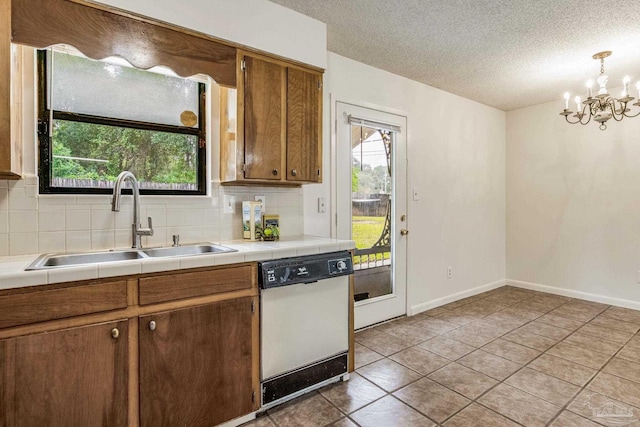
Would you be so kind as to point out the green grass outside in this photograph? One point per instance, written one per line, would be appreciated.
(366, 231)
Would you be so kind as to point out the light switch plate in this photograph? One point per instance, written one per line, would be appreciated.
(261, 199)
(229, 204)
(322, 207)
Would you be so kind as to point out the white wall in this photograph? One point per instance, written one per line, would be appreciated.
(573, 203)
(456, 151)
(255, 23)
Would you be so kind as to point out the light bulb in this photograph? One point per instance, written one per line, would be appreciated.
(589, 88)
(567, 95)
(626, 81)
(577, 100)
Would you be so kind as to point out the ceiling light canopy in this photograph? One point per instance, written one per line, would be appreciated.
(602, 106)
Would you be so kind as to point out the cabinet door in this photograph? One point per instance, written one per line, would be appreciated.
(264, 114)
(196, 365)
(71, 377)
(304, 120)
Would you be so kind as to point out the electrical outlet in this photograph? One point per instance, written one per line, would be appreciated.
(261, 199)
(322, 207)
(449, 272)
(229, 204)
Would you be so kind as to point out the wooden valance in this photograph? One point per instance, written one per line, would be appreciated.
(100, 33)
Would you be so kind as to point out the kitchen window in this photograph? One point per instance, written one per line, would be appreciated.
(99, 118)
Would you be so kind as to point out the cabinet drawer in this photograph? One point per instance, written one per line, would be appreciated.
(40, 306)
(197, 284)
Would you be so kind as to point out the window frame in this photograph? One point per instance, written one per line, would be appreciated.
(45, 146)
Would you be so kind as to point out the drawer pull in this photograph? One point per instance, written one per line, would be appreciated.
(274, 172)
(294, 172)
(152, 325)
(115, 333)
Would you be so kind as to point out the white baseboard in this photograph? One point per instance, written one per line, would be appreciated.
(575, 294)
(419, 308)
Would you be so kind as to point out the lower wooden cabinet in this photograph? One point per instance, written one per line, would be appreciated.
(179, 348)
(70, 377)
(196, 364)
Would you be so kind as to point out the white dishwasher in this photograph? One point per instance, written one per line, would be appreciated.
(304, 329)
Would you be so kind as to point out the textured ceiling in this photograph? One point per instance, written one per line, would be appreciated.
(507, 54)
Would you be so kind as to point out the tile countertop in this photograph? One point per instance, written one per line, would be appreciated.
(13, 275)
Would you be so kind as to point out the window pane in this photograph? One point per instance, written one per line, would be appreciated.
(84, 86)
(91, 156)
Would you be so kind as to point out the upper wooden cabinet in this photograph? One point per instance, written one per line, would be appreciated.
(10, 99)
(274, 134)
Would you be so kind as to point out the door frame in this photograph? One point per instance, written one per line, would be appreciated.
(334, 100)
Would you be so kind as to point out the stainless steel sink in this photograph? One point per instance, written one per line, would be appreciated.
(67, 260)
(187, 250)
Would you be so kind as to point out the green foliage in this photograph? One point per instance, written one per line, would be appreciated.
(151, 156)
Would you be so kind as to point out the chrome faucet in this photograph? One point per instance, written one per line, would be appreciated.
(136, 228)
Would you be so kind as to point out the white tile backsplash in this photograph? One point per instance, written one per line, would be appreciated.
(23, 221)
(51, 241)
(31, 224)
(4, 222)
(23, 243)
(4, 244)
(77, 219)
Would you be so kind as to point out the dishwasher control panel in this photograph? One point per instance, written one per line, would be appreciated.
(306, 269)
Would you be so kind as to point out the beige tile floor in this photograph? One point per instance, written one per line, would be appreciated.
(507, 357)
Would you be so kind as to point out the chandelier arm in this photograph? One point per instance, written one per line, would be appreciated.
(631, 115)
(569, 121)
(617, 116)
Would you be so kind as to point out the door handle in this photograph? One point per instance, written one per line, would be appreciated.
(404, 232)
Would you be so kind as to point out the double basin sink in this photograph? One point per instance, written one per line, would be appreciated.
(74, 259)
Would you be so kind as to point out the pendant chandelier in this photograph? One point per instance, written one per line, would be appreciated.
(602, 106)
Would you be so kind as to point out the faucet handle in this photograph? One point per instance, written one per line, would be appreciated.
(176, 240)
(150, 231)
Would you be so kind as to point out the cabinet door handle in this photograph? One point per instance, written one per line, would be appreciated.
(115, 333)
(294, 172)
(404, 232)
(275, 171)
(152, 325)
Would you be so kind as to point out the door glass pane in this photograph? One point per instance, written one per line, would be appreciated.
(371, 207)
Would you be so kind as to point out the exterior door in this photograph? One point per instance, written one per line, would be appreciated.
(371, 205)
